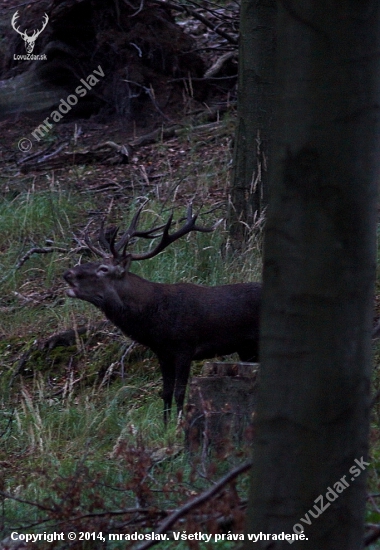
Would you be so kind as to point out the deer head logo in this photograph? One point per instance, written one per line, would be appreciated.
(29, 40)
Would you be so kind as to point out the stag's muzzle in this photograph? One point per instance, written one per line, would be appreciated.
(69, 278)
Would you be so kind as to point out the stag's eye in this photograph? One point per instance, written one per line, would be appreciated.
(103, 269)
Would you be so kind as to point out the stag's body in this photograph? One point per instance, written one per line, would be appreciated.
(178, 322)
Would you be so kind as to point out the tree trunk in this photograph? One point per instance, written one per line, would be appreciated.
(310, 451)
(248, 193)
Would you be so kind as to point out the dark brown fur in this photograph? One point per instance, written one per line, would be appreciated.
(178, 322)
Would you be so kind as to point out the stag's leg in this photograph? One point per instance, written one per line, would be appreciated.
(168, 377)
(182, 372)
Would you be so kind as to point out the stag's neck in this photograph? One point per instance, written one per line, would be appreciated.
(133, 305)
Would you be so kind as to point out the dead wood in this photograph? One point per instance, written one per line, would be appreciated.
(195, 502)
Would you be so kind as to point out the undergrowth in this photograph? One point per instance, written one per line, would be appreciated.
(83, 447)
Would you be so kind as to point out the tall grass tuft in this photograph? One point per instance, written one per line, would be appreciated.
(81, 427)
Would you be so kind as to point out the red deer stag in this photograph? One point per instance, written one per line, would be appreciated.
(178, 322)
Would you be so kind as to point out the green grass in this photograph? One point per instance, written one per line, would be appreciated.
(77, 438)
(92, 451)
(32, 219)
(35, 214)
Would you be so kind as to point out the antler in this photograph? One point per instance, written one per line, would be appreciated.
(97, 251)
(131, 232)
(44, 23)
(108, 239)
(167, 239)
(29, 40)
(13, 23)
(119, 250)
(24, 34)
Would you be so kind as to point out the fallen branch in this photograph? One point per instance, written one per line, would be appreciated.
(197, 501)
(376, 332)
(201, 18)
(37, 250)
(374, 399)
(216, 67)
(372, 537)
(177, 130)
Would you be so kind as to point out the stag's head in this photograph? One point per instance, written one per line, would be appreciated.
(106, 282)
(29, 40)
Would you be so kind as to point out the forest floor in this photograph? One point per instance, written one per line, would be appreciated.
(82, 445)
(80, 408)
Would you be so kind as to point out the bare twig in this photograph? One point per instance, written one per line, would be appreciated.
(40, 159)
(197, 501)
(37, 250)
(376, 332)
(197, 15)
(375, 399)
(213, 71)
(149, 91)
(372, 536)
(38, 505)
(303, 20)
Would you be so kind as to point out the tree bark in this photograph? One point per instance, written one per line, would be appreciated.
(319, 272)
(252, 151)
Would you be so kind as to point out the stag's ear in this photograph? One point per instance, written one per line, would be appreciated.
(125, 262)
(119, 270)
